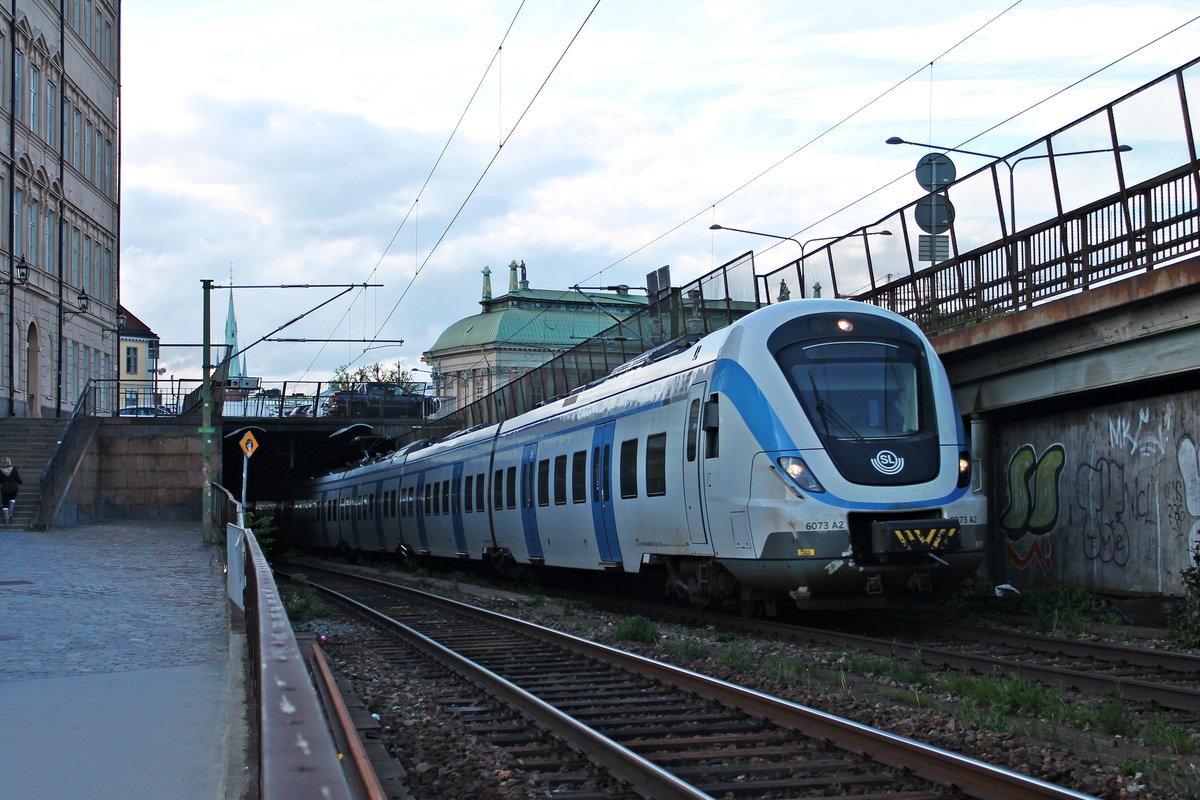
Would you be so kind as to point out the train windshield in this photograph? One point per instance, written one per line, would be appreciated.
(856, 390)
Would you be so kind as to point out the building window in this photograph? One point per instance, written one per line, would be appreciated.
(74, 265)
(18, 89)
(32, 239)
(76, 148)
(18, 231)
(51, 113)
(131, 361)
(48, 232)
(87, 150)
(35, 108)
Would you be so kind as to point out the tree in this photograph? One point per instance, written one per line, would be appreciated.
(345, 378)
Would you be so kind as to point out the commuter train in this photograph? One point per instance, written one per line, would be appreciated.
(809, 452)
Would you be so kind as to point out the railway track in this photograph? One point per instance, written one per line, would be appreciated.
(663, 731)
(1161, 678)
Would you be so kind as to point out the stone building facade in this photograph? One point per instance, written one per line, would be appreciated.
(517, 332)
(59, 196)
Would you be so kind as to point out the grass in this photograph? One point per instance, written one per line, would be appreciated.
(1066, 610)
(300, 600)
(637, 629)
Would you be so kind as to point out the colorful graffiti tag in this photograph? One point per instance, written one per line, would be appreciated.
(1033, 504)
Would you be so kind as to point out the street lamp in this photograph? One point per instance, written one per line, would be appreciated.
(1012, 196)
(803, 245)
(19, 275)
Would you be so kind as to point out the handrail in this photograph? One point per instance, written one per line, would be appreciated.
(64, 462)
(296, 753)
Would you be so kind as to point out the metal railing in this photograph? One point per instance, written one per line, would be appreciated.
(1115, 193)
(297, 756)
(706, 304)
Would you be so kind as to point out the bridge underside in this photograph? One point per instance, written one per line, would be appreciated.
(1121, 341)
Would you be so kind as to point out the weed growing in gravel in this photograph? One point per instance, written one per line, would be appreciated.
(571, 607)
(1169, 736)
(1054, 609)
(300, 600)
(909, 670)
(736, 657)
(781, 667)
(689, 649)
(1114, 716)
(637, 629)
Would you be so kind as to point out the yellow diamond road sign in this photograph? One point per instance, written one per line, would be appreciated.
(249, 444)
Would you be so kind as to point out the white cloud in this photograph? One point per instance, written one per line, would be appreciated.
(287, 141)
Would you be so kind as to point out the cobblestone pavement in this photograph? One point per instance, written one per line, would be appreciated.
(109, 597)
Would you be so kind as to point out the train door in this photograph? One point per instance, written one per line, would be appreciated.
(456, 517)
(422, 489)
(533, 542)
(693, 464)
(378, 507)
(603, 520)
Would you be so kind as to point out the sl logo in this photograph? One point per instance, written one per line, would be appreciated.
(887, 462)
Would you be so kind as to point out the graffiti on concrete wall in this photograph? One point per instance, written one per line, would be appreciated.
(1112, 504)
(1033, 504)
(1183, 507)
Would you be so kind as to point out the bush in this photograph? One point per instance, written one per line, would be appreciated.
(1183, 628)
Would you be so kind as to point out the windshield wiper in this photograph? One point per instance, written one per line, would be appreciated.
(828, 413)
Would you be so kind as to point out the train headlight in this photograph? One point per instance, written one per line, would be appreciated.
(964, 468)
(795, 468)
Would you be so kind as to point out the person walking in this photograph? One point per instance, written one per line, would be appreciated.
(10, 483)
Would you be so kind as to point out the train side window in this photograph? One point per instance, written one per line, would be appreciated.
(579, 477)
(693, 428)
(560, 480)
(498, 490)
(468, 486)
(428, 499)
(629, 454)
(446, 497)
(656, 465)
(543, 478)
(511, 495)
(479, 491)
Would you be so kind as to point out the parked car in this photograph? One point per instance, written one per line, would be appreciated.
(380, 400)
(146, 411)
(303, 410)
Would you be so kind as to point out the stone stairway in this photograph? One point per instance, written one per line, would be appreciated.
(29, 443)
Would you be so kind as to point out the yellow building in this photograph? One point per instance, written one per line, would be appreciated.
(137, 363)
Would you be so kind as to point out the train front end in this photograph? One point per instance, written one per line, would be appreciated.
(860, 488)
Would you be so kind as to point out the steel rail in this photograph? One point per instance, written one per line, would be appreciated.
(1102, 651)
(362, 763)
(1182, 698)
(645, 777)
(982, 780)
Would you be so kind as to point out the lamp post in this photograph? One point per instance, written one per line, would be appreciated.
(1012, 195)
(803, 245)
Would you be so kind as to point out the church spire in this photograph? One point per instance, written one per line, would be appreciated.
(236, 369)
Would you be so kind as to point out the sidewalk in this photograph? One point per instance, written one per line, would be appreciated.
(115, 665)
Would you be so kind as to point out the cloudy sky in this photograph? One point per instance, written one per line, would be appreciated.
(409, 144)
